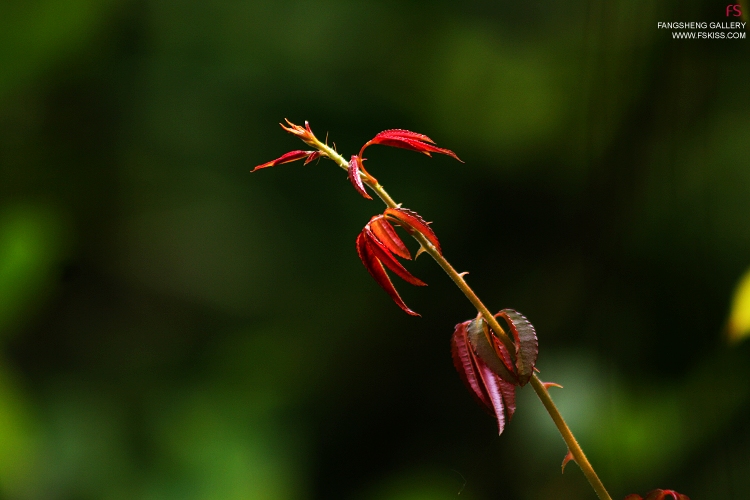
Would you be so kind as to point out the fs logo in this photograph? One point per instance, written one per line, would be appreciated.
(736, 8)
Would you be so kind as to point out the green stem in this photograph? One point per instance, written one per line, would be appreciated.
(539, 388)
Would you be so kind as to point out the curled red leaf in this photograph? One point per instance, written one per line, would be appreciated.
(377, 246)
(387, 235)
(304, 133)
(406, 139)
(355, 166)
(496, 395)
(489, 349)
(383, 254)
(527, 346)
(411, 221)
(289, 157)
(376, 270)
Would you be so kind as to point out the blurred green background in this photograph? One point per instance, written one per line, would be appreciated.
(173, 327)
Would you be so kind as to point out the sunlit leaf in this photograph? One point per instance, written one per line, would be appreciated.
(355, 165)
(406, 139)
(377, 271)
(412, 221)
(386, 258)
(287, 158)
(387, 235)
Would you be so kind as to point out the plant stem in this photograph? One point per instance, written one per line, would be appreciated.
(539, 388)
(569, 439)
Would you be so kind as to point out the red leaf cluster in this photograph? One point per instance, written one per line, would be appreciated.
(304, 133)
(378, 245)
(488, 369)
(488, 388)
(658, 495)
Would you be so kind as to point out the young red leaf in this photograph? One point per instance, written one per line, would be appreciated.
(387, 235)
(355, 165)
(411, 221)
(288, 157)
(497, 396)
(487, 347)
(527, 346)
(408, 140)
(376, 270)
(463, 360)
(633, 496)
(304, 133)
(312, 157)
(382, 253)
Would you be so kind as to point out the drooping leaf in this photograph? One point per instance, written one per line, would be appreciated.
(509, 398)
(406, 139)
(353, 171)
(377, 271)
(411, 220)
(382, 253)
(463, 360)
(387, 235)
(488, 389)
(490, 350)
(499, 392)
(527, 346)
(286, 158)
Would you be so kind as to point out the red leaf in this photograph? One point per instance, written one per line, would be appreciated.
(382, 253)
(463, 360)
(401, 133)
(286, 158)
(387, 235)
(376, 270)
(303, 133)
(312, 157)
(408, 140)
(492, 392)
(633, 496)
(490, 350)
(355, 164)
(412, 221)
(527, 346)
